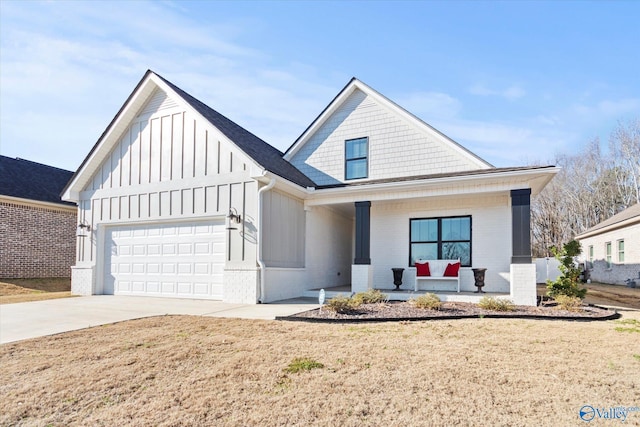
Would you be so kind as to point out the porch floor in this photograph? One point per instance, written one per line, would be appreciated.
(407, 294)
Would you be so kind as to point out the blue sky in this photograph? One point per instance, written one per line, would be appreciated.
(515, 82)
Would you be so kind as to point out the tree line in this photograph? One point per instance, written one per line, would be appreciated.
(593, 185)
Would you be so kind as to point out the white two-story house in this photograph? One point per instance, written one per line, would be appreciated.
(176, 200)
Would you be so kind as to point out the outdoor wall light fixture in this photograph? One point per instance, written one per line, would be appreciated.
(83, 230)
(233, 217)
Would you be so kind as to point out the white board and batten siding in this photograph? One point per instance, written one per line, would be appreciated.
(397, 146)
(284, 230)
(168, 167)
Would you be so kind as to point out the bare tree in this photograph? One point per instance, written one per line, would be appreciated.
(591, 187)
(624, 145)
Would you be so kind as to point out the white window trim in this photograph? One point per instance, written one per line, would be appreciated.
(618, 250)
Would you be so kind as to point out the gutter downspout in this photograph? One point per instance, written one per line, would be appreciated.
(264, 189)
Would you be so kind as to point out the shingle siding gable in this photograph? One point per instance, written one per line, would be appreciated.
(397, 147)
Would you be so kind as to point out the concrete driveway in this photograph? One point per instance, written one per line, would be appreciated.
(39, 318)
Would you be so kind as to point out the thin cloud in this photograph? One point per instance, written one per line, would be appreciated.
(68, 66)
(510, 93)
(508, 145)
(87, 71)
(619, 107)
(608, 106)
(430, 104)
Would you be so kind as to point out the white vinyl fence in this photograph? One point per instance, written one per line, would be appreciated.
(546, 269)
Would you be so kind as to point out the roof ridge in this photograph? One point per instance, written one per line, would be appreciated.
(370, 91)
(263, 153)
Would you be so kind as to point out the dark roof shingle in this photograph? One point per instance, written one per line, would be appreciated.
(489, 171)
(264, 154)
(34, 181)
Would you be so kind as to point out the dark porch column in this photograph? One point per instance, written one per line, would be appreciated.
(521, 226)
(363, 233)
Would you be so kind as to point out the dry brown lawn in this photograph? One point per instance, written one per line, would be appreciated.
(25, 290)
(621, 296)
(603, 294)
(172, 370)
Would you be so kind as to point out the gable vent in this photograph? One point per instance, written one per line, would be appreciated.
(159, 101)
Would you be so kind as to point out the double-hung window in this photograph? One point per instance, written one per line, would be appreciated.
(356, 158)
(591, 256)
(607, 251)
(440, 238)
(621, 251)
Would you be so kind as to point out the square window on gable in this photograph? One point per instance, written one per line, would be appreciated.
(356, 163)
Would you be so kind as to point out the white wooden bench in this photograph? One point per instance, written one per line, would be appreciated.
(437, 268)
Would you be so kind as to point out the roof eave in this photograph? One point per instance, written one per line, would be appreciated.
(538, 179)
(129, 108)
(611, 227)
(39, 203)
(322, 117)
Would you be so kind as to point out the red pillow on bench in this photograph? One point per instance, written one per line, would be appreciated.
(423, 269)
(452, 270)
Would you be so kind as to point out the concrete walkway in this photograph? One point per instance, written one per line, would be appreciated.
(39, 318)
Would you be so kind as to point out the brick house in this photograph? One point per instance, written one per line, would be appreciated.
(611, 249)
(179, 201)
(37, 228)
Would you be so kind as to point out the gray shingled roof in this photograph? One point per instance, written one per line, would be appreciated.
(630, 212)
(261, 152)
(34, 181)
(435, 176)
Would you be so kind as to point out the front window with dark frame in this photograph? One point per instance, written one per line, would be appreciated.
(356, 158)
(440, 238)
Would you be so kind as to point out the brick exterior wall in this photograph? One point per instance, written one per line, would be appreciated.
(241, 286)
(523, 284)
(361, 277)
(491, 239)
(619, 271)
(36, 241)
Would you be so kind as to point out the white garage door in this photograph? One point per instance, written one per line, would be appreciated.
(172, 259)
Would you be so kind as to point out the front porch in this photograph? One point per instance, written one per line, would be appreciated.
(406, 295)
(353, 245)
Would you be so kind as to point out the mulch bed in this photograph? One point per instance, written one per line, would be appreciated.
(397, 310)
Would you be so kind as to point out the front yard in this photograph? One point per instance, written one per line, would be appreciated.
(206, 371)
(25, 290)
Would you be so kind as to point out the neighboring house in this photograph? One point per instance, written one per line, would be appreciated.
(611, 249)
(37, 228)
(180, 201)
